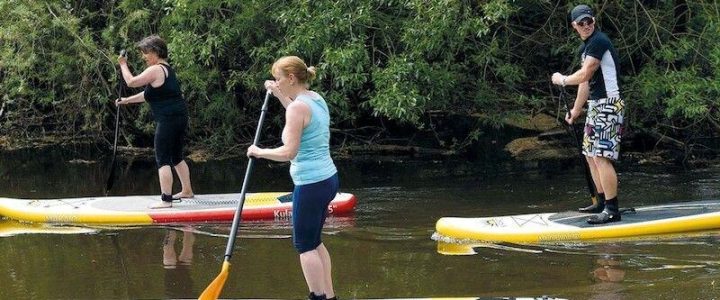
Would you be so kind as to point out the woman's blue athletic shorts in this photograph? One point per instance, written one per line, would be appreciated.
(310, 207)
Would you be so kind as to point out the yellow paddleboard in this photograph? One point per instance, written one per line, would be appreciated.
(573, 226)
(135, 210)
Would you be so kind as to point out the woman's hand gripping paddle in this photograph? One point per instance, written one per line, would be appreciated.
(111, 176)
(213, 290)
(578, 144)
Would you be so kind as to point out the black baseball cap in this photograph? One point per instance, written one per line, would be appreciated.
(581, 12)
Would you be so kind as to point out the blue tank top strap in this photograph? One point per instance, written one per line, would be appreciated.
(318, 109)
(313, 162)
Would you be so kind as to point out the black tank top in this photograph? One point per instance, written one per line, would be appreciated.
(166, 100)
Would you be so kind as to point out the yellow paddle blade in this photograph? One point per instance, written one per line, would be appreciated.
(213, 290)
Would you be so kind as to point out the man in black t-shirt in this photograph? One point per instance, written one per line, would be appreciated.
(598, 85)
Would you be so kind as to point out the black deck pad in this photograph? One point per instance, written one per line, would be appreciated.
(642, 214)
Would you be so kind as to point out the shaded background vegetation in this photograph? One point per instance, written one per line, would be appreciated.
(406, 72)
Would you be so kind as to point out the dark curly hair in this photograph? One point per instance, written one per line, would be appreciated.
(155, 44)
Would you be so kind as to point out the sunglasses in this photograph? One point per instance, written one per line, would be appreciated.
(584, 22)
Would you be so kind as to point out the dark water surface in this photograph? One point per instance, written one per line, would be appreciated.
(383, 250)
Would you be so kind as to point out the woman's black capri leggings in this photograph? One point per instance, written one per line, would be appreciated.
(169, 140)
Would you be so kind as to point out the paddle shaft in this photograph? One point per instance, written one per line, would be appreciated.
(578, 144)
(243, 191)
(111, 176)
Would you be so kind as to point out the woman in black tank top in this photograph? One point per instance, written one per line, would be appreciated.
(162, 92)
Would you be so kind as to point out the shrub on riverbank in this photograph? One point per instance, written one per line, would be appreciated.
(394, 72)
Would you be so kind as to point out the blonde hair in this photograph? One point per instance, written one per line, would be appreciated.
(287, 65)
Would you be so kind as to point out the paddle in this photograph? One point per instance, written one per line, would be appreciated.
(111, 176)
(571, 130)
(213, 290)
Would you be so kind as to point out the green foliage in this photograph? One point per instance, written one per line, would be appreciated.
(397, 87)
(379, 62)
(676, 91)
(53, 75)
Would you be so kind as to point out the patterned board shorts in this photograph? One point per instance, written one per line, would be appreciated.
(604, 128)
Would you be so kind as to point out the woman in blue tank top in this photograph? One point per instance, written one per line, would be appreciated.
(306, 139)
(162, 92)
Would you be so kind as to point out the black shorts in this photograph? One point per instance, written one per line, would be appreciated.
(169, 140)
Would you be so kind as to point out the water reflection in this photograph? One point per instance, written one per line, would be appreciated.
(10, 228)
(468, 247)
(608, 273)
(170, 257)
(178, 282)
(617, 269)
(609, 269)
(383, 251)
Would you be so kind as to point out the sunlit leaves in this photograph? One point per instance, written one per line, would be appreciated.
(397, 60)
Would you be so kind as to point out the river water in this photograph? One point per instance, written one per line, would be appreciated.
(383, 250)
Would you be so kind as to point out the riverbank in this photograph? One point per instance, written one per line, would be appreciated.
(528, 141)
(532, 152)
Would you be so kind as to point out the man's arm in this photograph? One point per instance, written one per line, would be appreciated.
(590, 65)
